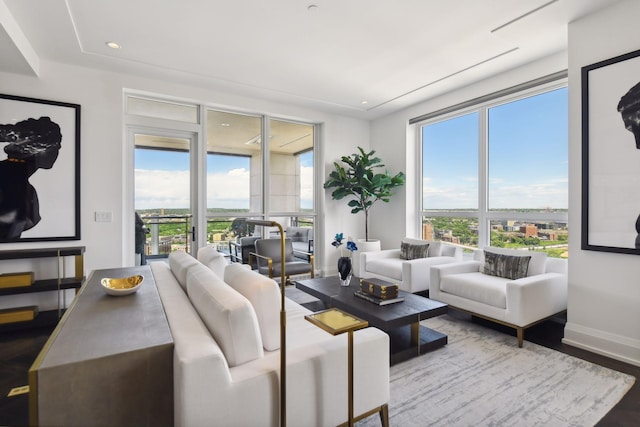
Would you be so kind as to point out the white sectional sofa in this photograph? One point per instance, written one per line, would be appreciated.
(412, 275)
(225, 324)
(515, 302)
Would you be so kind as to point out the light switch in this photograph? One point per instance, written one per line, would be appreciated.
(103, 216)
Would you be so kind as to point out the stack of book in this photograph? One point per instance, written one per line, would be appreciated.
(378, 291)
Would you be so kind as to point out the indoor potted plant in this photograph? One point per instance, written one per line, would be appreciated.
(356, 179)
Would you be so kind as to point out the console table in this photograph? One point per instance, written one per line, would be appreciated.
(109, 362)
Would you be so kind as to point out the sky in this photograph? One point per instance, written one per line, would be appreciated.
(527, 156)
(528, 164)
(162, 180)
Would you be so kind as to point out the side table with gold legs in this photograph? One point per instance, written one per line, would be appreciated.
(336, 322)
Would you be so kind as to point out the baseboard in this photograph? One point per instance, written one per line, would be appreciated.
(604, 343)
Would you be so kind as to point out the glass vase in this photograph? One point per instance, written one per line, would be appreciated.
(344, 270)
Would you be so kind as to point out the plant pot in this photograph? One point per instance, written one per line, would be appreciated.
(370, 245)
(344, 270)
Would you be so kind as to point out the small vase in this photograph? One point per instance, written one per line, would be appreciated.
(344, 270)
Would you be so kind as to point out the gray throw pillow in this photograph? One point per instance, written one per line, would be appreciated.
(409, 251)
(507, 266)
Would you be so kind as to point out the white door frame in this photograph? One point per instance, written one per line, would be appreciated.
(197, 180)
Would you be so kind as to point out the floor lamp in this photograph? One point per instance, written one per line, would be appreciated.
(283, 322)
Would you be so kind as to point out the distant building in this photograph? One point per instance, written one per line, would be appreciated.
(529, 230)
(427, 231)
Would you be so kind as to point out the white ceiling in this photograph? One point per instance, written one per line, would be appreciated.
(332, 57)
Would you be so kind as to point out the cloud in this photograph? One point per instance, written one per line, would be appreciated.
(230, 190)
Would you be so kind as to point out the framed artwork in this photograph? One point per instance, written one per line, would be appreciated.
(39, 170)
(611, 155)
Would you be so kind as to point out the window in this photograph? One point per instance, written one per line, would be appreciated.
(497, 174)
(236, 147)
(196, 182)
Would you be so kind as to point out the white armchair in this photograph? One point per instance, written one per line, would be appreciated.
(412, 275)
(517, 303)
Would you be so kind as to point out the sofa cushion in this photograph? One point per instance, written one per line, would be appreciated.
(490, 290)
(229, 316)
(180, 263)
(411, 251)
(507, 266)
(212, 259)
(387, 267)
(264, 295)
(435, 247)
(537, 264)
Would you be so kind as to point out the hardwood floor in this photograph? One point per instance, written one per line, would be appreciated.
(19, 349)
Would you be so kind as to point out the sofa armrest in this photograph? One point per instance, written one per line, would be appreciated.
(536, 297)
(386, 253)
(437, 272)
(416, 272)
(458, 268)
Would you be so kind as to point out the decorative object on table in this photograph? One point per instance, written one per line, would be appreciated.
(39, 205)
(119, 286)
(283, 319)
(379, 288)
(377, 300)
(359, 181)
(610, 155)
(344, 262)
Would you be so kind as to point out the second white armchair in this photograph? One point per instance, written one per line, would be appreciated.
(409, 266)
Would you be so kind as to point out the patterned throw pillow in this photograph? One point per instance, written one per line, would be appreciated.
(409, 251)
(507, 266)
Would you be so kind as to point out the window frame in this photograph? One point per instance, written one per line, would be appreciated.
(483, 215)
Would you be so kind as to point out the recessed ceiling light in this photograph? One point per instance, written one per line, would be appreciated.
(113, 45)
(225, 124)
(312, 7)
(364, 102)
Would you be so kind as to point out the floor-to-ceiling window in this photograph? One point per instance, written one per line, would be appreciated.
(496, 173)
(230, 168)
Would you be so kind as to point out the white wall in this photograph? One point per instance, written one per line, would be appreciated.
(100, 95)
(604, 288)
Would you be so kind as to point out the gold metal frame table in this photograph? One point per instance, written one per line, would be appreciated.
(336, 322)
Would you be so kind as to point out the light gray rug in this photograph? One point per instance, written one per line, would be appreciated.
(482, 378)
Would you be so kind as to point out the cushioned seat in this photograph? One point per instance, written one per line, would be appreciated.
(515, 288)
(480, 287)
(268, 255)
(410, 270)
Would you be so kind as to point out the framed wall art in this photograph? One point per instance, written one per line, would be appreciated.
(39, 170)
(611, 155)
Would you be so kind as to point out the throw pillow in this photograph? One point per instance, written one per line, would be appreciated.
(507, 266)
(409, 251)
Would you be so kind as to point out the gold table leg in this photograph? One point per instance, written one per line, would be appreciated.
(350, 365)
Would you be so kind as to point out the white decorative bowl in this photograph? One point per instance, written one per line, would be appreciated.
(121, 285)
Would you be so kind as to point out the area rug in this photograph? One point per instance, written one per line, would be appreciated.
(482, 378)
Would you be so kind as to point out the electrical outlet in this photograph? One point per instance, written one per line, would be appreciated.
(103, 216)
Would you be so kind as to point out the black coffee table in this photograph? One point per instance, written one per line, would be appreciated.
(401, 321)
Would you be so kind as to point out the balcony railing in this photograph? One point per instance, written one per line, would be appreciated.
(170, 233)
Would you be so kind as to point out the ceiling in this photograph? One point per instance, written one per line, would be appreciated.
(363, 58)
